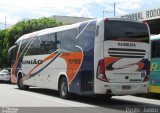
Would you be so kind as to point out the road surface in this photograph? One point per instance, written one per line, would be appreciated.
(45, 101)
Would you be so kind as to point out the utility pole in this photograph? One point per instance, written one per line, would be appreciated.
(5, 23)
(114, 9)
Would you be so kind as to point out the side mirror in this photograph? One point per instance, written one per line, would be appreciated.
(11, 51)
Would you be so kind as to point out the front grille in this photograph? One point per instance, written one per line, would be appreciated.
(126, 53)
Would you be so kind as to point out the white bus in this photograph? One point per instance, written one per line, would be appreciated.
(101, 56)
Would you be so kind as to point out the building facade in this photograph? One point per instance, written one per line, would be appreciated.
(70, 19)
(152, 17)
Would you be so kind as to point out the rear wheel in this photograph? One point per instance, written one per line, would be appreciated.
(63, 88)
(21, 85)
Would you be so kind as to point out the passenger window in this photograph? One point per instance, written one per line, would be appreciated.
(54, 42)
(34, 48)
(24, 47)
(86, 38)
(68, 40)
(45, 44)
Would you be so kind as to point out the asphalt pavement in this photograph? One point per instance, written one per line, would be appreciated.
(38, 100)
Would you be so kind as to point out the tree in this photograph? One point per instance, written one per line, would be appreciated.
(9, 36)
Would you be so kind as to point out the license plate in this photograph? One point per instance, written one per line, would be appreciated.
(126, 87)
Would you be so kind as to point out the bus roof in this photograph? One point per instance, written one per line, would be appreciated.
(52, 30)
(61, 28)
(47, 31)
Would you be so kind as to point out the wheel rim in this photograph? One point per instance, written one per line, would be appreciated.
(63, 89)
(21, 83)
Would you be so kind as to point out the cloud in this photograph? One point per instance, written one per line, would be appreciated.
(84, 12)
(121, 6)
(15, 10)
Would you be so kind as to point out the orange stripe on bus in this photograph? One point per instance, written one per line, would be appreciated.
(73, 61)
(140, 66)
(44, 60)
(13, 77)
(109, 60)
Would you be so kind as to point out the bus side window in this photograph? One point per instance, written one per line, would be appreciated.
(24, 47)
(86, 39)
(68, 40)
(55, 43)
(34, 48)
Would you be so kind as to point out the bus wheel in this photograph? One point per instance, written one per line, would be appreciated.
(63, 88)
(20, 84)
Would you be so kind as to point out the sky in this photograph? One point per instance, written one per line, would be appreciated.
(13, 11)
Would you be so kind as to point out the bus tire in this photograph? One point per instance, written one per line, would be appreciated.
(20, 84)
(63, 88)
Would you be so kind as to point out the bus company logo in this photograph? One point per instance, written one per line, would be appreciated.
(126, 44)
(35, 61)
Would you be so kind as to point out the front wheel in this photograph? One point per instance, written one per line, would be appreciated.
(20, 84)
(63, 89)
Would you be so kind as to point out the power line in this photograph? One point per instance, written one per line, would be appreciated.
(6, 24)
(112, 11)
